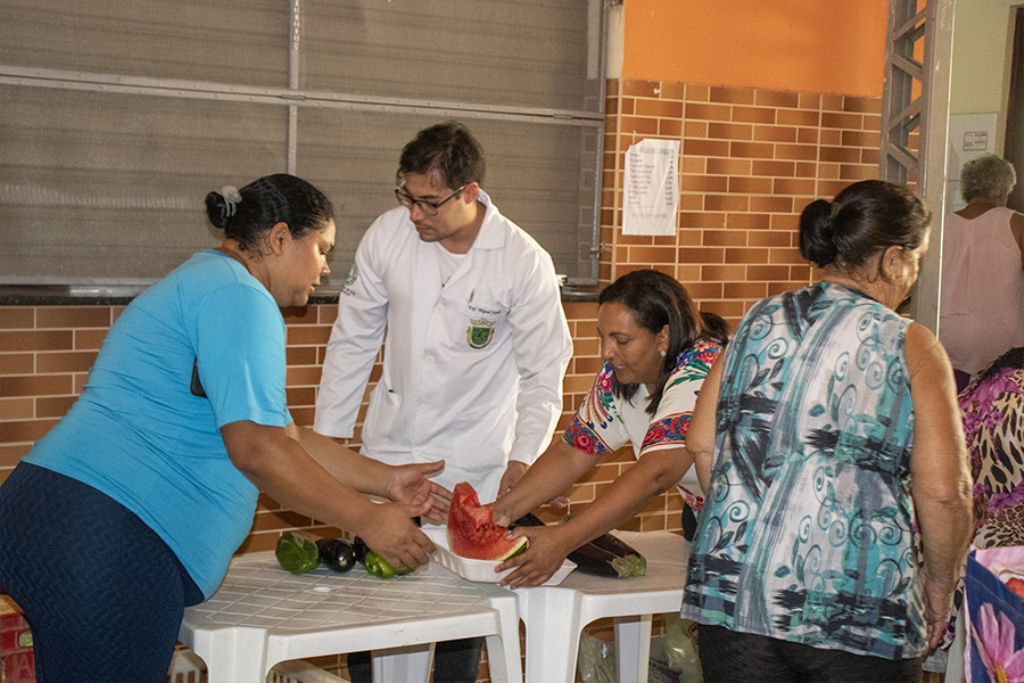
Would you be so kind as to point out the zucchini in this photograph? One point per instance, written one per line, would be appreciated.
(606, 555)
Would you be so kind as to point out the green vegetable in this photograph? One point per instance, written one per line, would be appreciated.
(377, 566)
(296, 553)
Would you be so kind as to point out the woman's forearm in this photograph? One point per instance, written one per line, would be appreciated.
(557, 468)
(628, 495)
(361, 473)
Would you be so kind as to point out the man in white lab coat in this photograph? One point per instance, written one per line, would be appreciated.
(477, 341)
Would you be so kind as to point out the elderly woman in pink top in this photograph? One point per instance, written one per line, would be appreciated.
(982, 303)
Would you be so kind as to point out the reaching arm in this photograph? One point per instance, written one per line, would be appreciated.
(941, 477)
(558, 468)
(549, 546)
(276, 463)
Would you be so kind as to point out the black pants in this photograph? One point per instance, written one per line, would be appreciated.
(730, 657)
(103, 594)
(455, 661)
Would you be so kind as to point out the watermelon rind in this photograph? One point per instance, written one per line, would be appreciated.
(519, 549)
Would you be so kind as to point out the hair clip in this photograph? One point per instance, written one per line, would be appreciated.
(232, 197)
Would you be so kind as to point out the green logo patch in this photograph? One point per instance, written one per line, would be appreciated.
(479, 333)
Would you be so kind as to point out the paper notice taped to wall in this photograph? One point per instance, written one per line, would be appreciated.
(651, 189)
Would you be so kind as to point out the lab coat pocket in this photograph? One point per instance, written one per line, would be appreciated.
(383, 417)
(486, 323)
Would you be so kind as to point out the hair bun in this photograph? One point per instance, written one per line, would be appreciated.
(817, 232)
(222, 206)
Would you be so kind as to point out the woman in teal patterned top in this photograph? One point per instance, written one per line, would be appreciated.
(838, 506)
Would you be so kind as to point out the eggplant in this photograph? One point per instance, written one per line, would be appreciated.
(359, 546)
(337, 554)
(606, 555)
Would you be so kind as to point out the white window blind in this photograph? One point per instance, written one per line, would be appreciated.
(116, 118)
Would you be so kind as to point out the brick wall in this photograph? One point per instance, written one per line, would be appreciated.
(751, 159)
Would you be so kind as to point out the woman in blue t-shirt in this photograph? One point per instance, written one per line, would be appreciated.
(130, 508)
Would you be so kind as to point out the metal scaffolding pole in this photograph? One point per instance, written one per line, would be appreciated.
(916, 100)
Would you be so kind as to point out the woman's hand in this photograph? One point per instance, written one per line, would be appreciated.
(548, 549)
(392, 535)
(938, 597)
(410, 484)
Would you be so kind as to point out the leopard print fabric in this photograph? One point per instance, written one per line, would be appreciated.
(993, 412)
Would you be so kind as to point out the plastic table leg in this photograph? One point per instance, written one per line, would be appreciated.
(553, 626)
(237, 655)
(633, 648)
(403, 664)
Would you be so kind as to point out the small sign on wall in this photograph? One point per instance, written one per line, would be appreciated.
(975, 141)
(651, 188)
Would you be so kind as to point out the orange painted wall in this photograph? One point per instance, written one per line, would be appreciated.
(827, 46)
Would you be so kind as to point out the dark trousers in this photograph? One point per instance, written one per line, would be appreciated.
(455, 661)
(103, 594)
(730, 657)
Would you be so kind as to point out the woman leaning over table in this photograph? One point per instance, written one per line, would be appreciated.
(830, 424)
(657, 349)
(130, 508)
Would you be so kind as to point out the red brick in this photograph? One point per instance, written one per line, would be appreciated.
(746, 255)
(701, 255)
(35, 341)
(305, 336)
(767, 273)
(730, 131)
(672, 91)
(807, 136)
(669, 128)
(16, 363)
(72, 316)
(696, 129)
(746, 290)
(697, 93)
(796, 152)
(801, 186)
(54, 406)
(725, 238)
(17, 317)
(773, 168)
(704, 183)
(706, 148)
(724, 273)
(752, 150)
(834, 120)
(702, 219)
(711, 112)
(841, 154)
(750, 185)
(89, 339)
(771, 204)
(747, 220)
(768, 238)
(636, 124)
(652, 254)
(35, 385)
(775, 98)
(775, 134)
(737, 167)
(732, 95)
(868, 105)
(753, 114)
(65, 361)
(659, 108)
(725, 202)
(27, 430)
(799, 117)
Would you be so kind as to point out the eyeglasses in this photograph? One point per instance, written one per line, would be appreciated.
(426, 206)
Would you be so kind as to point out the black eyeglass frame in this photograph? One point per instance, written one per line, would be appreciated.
(428, 207)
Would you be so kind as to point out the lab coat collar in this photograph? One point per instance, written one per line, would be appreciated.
(491, 234)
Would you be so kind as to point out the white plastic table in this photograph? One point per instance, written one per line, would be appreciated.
(262, 615)
(555, 615)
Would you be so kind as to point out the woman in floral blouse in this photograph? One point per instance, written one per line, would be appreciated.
(827, 429)
(657, 350)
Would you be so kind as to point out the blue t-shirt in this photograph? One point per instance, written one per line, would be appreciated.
(139, 434)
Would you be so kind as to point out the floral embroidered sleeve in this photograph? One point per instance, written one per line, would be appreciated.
(672, 419)
(597, 428)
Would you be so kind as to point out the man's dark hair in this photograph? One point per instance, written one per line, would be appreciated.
(447, 148)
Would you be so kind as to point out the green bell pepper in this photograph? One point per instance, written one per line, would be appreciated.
(377, 566)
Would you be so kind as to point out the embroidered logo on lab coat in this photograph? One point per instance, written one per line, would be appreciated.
(479, 333)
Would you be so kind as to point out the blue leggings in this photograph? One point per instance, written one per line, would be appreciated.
(103, 594)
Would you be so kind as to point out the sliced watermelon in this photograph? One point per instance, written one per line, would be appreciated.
(472, 532)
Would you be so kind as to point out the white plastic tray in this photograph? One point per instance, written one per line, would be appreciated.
(480, 571)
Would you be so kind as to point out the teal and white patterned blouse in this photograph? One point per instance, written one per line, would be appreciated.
(807, 533)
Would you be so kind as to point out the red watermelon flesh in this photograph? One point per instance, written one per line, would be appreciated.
(472, 532)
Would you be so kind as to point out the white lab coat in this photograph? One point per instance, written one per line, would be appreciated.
(439, 397)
